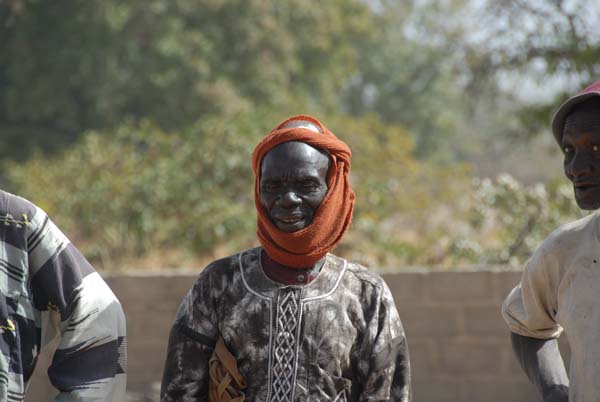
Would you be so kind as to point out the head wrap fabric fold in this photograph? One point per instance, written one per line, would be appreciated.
(305, 247)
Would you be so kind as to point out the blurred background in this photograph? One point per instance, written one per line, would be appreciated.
(132, 122)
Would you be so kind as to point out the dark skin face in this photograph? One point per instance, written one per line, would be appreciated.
(293, 183)
(581, 148)
(540, 358)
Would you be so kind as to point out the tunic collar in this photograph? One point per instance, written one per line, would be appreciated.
(258, 282)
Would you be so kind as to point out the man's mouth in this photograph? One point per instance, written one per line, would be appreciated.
(290, 222)
(582, 186)
(290, 218)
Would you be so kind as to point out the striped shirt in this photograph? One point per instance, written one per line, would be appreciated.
(49, 290)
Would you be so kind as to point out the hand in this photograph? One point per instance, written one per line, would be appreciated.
(557, 393)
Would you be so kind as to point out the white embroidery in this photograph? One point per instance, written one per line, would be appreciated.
(285, 350)
(284, 334)
(246, 285)
(337, 282)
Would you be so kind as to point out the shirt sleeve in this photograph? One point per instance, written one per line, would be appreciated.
(530, 308)
(191, 343)
(388, 374)
(77, 306)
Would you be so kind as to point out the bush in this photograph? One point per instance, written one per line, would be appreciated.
(138, 192)
(508, 220)
(138, 189)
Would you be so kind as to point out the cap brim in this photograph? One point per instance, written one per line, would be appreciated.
(558, 121)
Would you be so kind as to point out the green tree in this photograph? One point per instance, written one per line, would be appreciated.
(545, 50)
(68, 66)
(54, 73)
(138, 190)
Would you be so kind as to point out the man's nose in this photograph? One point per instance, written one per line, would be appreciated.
(290, 199)
(580, 165)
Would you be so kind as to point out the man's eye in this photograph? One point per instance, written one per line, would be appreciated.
(567, 150)
(310, 186)
(269, 186)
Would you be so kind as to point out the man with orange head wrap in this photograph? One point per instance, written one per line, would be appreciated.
(300, 323)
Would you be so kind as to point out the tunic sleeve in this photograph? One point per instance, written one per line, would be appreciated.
(191, 343)
(388, 375)
(77, 306)
(530, 308)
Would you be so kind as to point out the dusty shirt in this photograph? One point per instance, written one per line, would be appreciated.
(338, 338)
(48, 290)
(560, 289)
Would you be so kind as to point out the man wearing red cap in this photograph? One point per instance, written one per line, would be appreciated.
(560, 288)
(300, 323)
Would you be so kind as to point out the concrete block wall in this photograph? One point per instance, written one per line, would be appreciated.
(459, 345)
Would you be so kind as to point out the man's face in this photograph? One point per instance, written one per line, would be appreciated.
(581, 148)
(293, 183)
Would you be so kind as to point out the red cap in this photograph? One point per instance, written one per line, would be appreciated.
(558, 121)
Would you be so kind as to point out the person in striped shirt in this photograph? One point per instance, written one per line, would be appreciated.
(49, 290)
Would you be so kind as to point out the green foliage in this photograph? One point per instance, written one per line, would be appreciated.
(55, 73)
(133, 121)
(402, 203)
(509, 220)
(549, 47)
(69, 66)
(138, 190)
(407, 82)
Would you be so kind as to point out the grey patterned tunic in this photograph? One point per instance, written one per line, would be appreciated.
(336, 339)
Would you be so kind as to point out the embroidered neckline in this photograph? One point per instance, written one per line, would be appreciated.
(259, 284)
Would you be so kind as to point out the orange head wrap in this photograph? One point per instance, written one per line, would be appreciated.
(305, 247)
